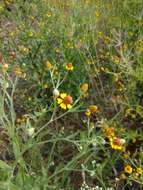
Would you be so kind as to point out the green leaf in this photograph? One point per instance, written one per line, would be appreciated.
(4, 165)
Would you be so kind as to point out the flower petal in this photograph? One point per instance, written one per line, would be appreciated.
(69, 106)
(63, 95)
(63, 106)
(59, 100)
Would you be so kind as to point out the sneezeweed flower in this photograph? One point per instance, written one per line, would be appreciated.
(128, 169)
(139, 170)
(84, 87)
(91, 110)
(87, 113)
(48, 65)
(69, 67)
(49, 14)
(84, 90)
(65, 101)
(24, 50)
(117, 143)
(110, 132)
(18, 71)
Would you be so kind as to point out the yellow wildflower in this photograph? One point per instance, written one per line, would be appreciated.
(110, 132)
(65, 101)
(84, 87)
(49, 14)
(128, 169)
(69, 66)
(139, 170)
(87, 113)
(48, 65)
(18, 71)
(93, 108)
(116, 143)
(24, 50)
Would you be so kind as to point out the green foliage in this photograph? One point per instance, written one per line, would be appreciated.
(71, 78)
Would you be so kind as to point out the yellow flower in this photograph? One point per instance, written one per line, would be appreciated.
(65, 101)
(87, 113)
(139, 170)
(48, 65)
(49, 14)
(93, 108)
(18, 71)
(24, 50)
(69, 66)
(128, 169)
(110, 132)
(116, 143)
(30, 34)
(84, 87)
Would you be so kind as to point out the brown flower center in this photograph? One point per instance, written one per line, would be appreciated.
(117, 142)
(67, 100)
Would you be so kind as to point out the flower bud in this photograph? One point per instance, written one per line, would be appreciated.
(56, 93)
(30, 131)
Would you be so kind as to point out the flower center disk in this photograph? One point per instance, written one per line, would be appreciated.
(67, 100)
